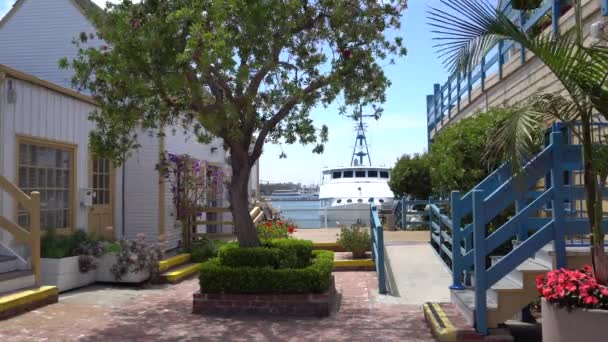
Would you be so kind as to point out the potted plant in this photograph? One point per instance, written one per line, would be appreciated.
(355, 239)
(574, 306)
(62, 263)
(129, 261)
(526, 5)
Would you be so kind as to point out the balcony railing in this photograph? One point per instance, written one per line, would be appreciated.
(447, 98)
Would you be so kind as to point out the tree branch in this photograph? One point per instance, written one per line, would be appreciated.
(284, 112)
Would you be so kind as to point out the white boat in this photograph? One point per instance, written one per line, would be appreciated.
(347, 192)
(286, 195)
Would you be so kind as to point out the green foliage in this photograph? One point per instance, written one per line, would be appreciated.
(411, 176)
(233, 255)
(293, 253)
(204, 249)
(278, 253)
(248, 72)
(215, 277)
(456, 155)
(56, 246)
(355, 239)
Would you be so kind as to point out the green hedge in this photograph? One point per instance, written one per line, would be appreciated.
(278, 253)
(315, 278)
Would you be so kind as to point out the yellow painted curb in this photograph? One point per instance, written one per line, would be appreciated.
(179, 274)
(441, 327)
(355, 263)
(173, 261)
(27, 297)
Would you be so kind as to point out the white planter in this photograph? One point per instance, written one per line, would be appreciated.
(64, 273)
(105, 275)
(586, 325)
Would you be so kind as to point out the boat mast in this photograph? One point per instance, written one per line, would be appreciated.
(361, 148)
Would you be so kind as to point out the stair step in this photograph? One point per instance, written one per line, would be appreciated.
(464, 300)
(24, 300)
(4, 258)
(176, 275)
(15, 280)
(8, 263)
(177, 260)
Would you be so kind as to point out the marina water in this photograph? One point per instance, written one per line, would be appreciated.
(310, 214)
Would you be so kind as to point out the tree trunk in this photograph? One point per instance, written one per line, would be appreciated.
(594, 206)
(244, 228)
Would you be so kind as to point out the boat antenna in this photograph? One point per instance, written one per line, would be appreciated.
(361, 148)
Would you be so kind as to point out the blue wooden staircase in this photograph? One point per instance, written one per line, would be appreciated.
(491, 289)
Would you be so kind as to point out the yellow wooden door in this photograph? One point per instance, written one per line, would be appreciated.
(101, 213)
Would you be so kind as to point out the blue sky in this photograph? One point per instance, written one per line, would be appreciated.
(402, 128)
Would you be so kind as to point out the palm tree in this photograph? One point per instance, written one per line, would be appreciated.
(468, 29)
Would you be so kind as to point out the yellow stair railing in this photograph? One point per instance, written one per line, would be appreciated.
(256, 214)
(32, 237)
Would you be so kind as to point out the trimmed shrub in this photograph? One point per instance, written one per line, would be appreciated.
(316, 278)
(232, 255)
(294, 253)
(277, 253)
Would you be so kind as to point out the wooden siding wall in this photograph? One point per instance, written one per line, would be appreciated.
(141, 189)
(45, 114)
(520, 81)
(39, 33)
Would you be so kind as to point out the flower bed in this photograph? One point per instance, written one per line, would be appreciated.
(573, 289)
(574, 306)
(76, 260)
(285, 276)
(64, 273)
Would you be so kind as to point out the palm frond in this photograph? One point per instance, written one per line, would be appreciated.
(515, 137)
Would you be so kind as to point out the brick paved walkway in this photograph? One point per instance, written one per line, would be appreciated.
(165, 315)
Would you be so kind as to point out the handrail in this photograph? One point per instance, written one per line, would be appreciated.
(32, 237)
(458, 86)
(377, 236)
(555, 228)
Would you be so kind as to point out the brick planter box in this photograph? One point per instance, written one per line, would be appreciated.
(300, 304)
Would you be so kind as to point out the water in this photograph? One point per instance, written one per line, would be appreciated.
(308, 214)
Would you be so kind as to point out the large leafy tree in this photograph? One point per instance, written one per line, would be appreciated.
(411, 176)
(456, 156)
(246, 71)
(468, 29)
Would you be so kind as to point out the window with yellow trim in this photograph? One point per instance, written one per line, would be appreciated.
(47, 170)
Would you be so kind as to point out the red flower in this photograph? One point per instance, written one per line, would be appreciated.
(572, 288)
(268, 224)
(291, 230)
(590, 300)
(280, 223)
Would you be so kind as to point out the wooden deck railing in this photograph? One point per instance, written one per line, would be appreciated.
(32, 237)
(256, 214)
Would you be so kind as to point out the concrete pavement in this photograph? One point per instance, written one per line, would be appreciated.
(418, 274)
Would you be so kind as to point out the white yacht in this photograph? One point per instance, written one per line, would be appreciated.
(347, 192)
(286, 195)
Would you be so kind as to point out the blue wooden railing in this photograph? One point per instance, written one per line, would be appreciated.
(460, 86)
(533, 231)
(377, 235)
